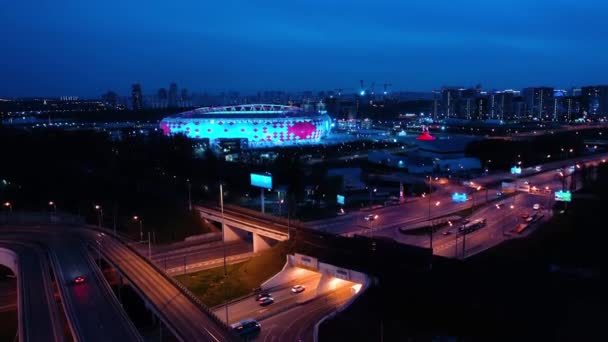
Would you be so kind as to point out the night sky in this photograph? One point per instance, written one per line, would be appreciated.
(76, 47)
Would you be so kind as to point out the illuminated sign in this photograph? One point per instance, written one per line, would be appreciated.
(563, 196)
(458, 198)
(340, 199)
(261, 181)
(516, 170)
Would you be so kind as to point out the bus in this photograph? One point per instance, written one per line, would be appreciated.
(472, 226)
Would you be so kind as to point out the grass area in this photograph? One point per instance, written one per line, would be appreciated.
(213, 289)
(8, 328)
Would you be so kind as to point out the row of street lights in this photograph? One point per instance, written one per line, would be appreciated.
(9, 205)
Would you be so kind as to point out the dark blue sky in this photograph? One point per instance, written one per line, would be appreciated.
(75, 47)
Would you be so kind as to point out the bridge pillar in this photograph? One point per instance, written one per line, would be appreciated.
(232, 234)
(324, 284)
(261, 243)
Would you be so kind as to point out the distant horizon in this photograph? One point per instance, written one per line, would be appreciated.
(379, 91)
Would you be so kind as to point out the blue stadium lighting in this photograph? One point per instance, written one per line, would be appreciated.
(261, 125)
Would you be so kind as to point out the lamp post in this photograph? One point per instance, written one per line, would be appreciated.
(189, 195)
(371, 191)
(99, 245)
(224, 246)
(99, 215)
(9, 205)
(141, 227)
(431, 230)
(53, 205)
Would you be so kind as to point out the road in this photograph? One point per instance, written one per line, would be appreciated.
(186, 318)
(92, 308)
(93, 315)
(39, 318)
(415, 212)
(297, 324)
(8, 294)
(283, 298)
(194, 254)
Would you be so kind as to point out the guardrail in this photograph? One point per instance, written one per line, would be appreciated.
(184, 291)
(65, 299)
(106, 288)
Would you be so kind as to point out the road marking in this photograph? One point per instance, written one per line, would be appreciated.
(209, 332)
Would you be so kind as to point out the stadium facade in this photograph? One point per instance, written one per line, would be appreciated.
(260, 125)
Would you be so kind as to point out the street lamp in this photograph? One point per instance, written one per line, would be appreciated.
(53, 205)
(141, 227)
(224, 245)
(9, 205)
(99, 215)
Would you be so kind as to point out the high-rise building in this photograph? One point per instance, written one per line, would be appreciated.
(172, 95)
(571, 108)
(482, 107)
(161, 98)
(594, 100)
(539, 102)
(503, 104)
(137, 99)
(110, 98)
(449, 101)
(184, 98)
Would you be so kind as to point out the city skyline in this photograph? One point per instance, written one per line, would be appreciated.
(85, 50)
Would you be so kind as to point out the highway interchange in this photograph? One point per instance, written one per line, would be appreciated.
(93, 312)
(49, 257)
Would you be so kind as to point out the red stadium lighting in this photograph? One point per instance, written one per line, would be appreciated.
(425, 136)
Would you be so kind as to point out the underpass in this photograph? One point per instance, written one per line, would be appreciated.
(326, 289)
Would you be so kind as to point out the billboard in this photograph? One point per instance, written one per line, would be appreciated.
(458, 198)
(563, 196)
(261, 181)
(515, 170)
(340, 199)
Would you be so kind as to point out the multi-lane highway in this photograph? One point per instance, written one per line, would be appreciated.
(92, 310)
(297, 324)
(504, 218)
(283, 298)
(39, 318)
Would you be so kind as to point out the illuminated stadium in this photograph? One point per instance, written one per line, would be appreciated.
(261, 125)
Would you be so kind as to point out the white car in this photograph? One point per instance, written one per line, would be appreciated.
(298, 288)
(370, 217)
(536, 206)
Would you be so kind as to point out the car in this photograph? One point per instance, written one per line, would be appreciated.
(265, 301)
(298, 288)
(261, 295)
(370, 217)
(447, 232)
(79, 280)
(341, 212)
(536, 206)
(524, 215)
(246, 327)
(499, 194)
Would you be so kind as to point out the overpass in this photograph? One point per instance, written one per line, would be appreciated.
(93, 312)
(266, 230)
